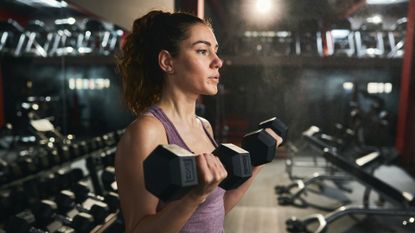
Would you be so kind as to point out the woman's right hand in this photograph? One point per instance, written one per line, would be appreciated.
(211, 172)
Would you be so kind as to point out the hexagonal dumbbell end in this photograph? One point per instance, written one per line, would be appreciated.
(170, 172)
(237, 163)
(261, 147)
(295, 225)
(277, 126)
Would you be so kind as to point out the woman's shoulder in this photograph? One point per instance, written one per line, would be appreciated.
(146, 125)
(145, 129)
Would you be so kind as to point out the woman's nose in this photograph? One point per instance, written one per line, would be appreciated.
(217, 62)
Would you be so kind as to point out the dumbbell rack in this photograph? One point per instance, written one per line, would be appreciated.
(93, 159)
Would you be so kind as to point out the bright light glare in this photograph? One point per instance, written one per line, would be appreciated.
(340, 33)
(263, 6)
(48, 3)
(69, 20)
(375, 19)
(348, 86)
(262, 14)
(384, 1)
(373, 87)
(88, 84)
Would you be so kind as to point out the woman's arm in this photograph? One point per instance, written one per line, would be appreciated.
(137, 204)
(232, 197)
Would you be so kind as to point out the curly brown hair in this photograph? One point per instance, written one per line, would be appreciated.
(137, 62)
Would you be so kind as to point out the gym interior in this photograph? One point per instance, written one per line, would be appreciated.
(339, 73)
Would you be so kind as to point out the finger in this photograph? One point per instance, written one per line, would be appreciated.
(205, 169)
(221, 167)
(219, 170)
(276, 137)
(212, 161)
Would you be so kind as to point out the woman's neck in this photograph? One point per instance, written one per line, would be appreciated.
(179, 107)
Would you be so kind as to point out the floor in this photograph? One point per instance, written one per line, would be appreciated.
(260, 212)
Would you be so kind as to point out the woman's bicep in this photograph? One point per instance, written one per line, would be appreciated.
(138, 142)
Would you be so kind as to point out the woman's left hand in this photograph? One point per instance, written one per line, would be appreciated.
(276, 137)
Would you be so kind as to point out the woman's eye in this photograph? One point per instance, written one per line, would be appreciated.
(202, 51)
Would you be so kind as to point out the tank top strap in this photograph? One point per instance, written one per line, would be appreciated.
(173, 136)
(215, 144)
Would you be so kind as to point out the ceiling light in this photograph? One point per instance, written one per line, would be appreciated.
(263, 6)
(376, 19)
(44, 3)
(69, 20)
(379, 2)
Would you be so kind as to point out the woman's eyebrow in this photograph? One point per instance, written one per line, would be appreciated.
(204, 42)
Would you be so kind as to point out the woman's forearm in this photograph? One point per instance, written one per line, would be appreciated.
(232, 197)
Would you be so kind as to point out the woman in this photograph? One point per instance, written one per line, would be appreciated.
(168, 61)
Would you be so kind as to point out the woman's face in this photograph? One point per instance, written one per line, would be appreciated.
(197, 64)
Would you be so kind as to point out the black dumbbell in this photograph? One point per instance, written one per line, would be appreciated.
(237, 163)
(75, 175)
(26, 162)
(260, 144)
(109, 139)
(44, 212)
(108, 156)
(65, 178)
(113, 201)
(75, 150)
(170, 171)
(40, 159)
(5, 173)
(68, 204)
(118, 134)
(84, 147)
(53, 154)
(22, 222)
(5, 204)
(96, 143)
(93, 204)
(108, 179)
(279, 127)
(48, 217)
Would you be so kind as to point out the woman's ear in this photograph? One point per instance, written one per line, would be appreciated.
(166, 61)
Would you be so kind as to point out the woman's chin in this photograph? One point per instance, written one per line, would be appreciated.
(212, 92)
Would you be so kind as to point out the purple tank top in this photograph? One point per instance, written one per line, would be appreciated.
(210, 215)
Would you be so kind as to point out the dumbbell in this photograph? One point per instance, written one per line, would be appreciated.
(96, 143)
(110, 201)
(68, 204)
(5, 173)
(52, 183)
(109, 139)
(83, 195)
(22, 222)
(108, 179)
(260, 144)
(84, 147)
(277, 126)
(5, 204)
(107, 156)
(170, 171)
(26, 162)
(48, 217)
